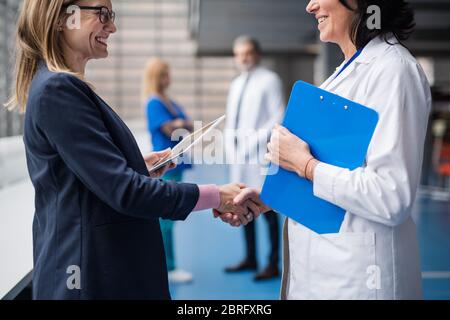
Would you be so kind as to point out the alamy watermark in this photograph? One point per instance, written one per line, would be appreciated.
(74, 20)
(229, 146)
(73, 281)
(374, 20)
(374, 280)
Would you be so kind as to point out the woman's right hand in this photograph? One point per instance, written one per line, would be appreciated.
(237, 214)
(253, 195)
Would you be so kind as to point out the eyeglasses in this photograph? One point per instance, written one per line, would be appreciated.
(104, 13)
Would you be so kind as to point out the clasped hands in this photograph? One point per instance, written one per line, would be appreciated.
(285, 150)
(238, 204)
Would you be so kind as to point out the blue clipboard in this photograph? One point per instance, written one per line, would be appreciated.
(338, 132)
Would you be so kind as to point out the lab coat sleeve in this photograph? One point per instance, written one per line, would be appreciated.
(275, 103)
(274, 108)
(74, 126)
(384, 190)
(229, 126)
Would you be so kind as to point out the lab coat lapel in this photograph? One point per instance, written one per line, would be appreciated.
(251, 106)
(371, 51)
(234, 101)
(325, 84)
(335, 81)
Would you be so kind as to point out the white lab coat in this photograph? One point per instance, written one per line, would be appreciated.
(375, 255)
(262, 107)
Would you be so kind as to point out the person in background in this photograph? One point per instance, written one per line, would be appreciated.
(164, 117)
(255, 102)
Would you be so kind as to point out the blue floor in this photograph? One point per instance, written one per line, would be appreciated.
(204, 246)
(433, 222)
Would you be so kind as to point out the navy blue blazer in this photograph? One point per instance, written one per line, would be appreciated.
(97, 209)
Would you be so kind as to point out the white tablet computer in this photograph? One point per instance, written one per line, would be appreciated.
(187, 143)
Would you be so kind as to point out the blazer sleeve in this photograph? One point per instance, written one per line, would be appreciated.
(74, 127)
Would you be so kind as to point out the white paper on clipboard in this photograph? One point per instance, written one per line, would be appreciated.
(187, 143)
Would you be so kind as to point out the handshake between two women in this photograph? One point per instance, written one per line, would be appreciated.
(238, 206)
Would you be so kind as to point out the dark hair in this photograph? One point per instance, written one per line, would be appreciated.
(397, 17)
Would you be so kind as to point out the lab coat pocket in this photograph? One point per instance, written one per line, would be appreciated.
(341, 266)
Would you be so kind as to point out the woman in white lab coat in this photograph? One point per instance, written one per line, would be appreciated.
(375, 255)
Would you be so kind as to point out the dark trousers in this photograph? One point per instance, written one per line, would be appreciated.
(274, 234)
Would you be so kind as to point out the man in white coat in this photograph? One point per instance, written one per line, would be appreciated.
(255, 104)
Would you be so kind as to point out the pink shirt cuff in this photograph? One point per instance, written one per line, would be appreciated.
(209, 197)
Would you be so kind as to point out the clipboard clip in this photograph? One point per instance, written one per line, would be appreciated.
(322, 98)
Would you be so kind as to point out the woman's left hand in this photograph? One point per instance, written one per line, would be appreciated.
(288, 151)
(155, 157)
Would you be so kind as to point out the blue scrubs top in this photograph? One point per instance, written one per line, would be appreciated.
(158, 115)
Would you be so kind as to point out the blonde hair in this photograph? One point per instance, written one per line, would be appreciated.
(152, 81)
(37, 39)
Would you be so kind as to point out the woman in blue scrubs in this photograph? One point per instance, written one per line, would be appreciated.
(164, 118)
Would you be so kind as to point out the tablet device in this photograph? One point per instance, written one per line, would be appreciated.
(187, 143)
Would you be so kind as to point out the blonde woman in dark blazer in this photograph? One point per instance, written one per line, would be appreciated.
(96, 231)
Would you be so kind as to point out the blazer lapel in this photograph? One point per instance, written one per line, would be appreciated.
(126, 141)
